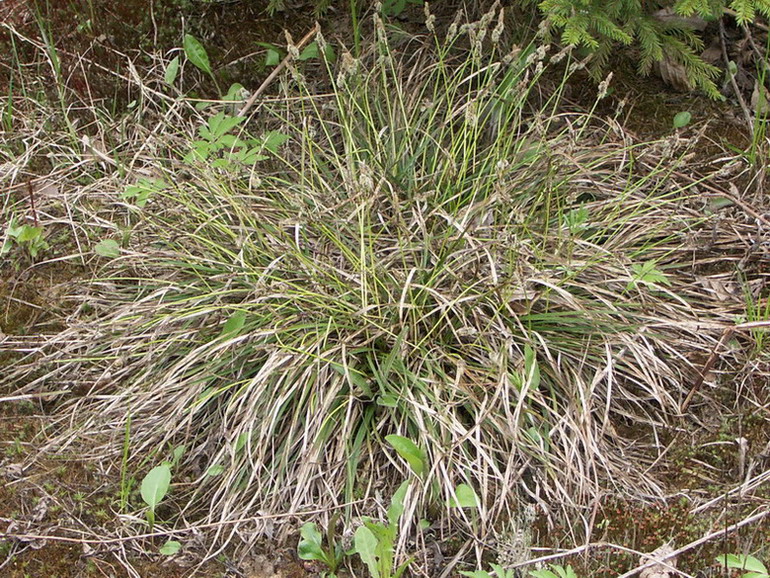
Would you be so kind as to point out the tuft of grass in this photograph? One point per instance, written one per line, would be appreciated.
(437, 252)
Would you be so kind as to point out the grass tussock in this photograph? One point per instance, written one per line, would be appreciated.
(437, 251)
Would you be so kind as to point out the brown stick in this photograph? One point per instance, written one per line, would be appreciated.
(731, 76)
(31, 193)
(726, 334)
(277, 70)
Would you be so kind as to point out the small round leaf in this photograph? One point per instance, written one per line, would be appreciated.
(107, 248)
(170, 548)
(682, 119)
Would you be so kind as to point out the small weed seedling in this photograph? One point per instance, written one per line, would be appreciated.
(27, 236)
(224, 150)
(311, 547)
(157, 481)
(375, 542)
(647, 273)
(409, 451)
(143, 190)
(275, 54)
(154, 488)
(682, 119)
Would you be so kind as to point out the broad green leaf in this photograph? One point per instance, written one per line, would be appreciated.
(196, 53)
(648, 272)
(397, 506)
(107, 248)
(274, 139)
(355, 378)
(717, 203)
(215, 470)
(15, 230)
(231, 141)
(36, 246)
(273, 57)
(393, 7)
(743, 562)
(219, 125)
(249, 156)
(310, 51)
(309, 547)
(177, 454)
(240, 441)
(725, 559)
(200, 152)
(407, 449)
(144, 188)
(387, 400)
(501, 572)
(170, 548)
(155, 485)
(235, 92)
(531, 368)
(29, 233)
(172, 70)
(542, 574)
(234, 324)
(465, 497)
(682, 119)
(365, 544)
(329, 53)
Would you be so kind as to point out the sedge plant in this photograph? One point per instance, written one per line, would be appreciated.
(437, 250)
